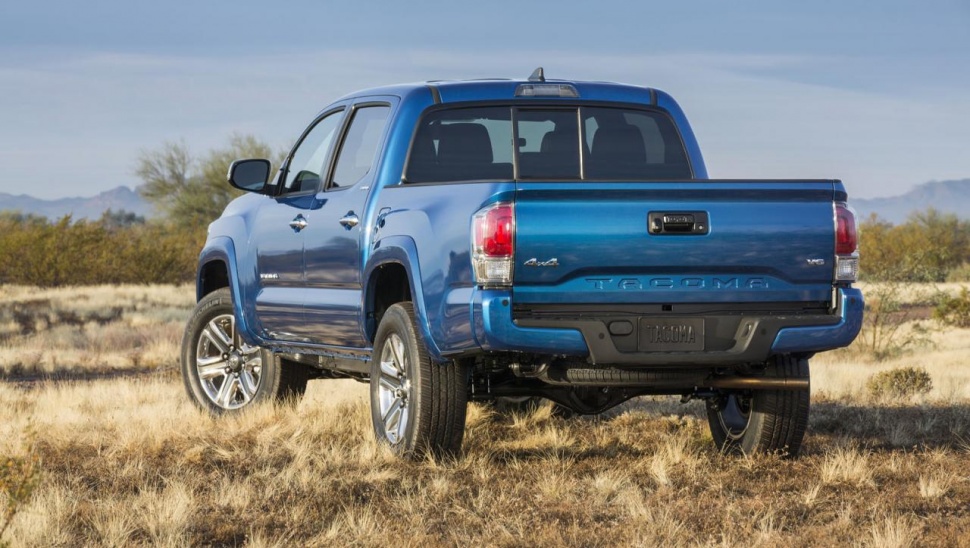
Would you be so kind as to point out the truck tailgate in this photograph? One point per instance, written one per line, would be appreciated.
(588, 242)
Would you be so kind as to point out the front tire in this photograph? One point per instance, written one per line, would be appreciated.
(763, 421)
(221, 372)
(416, 405)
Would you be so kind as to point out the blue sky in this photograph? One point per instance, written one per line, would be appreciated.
(874, 93)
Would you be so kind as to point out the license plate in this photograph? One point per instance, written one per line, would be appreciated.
(671, 334)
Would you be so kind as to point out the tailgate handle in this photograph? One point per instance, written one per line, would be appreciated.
(678, 222)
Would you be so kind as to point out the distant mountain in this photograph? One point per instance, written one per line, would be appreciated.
(944, 196)
(120, 198)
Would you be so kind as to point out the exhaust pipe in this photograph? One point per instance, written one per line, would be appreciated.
(757, 383)
(565, 375)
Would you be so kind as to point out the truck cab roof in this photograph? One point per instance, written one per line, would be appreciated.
(498, 89)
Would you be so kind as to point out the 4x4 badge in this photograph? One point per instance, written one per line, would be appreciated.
(536, 262)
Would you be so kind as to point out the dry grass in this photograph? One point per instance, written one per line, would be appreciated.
(843, 374)
(91, 330)
(132, 462)
(914, 293)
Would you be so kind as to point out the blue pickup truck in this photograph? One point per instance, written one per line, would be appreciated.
(507, 240)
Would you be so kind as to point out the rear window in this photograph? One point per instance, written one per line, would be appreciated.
(571, 143)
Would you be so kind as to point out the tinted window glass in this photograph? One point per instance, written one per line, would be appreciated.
(615, 144)
(360, 146)
(548, 144)
(462, 145)
(310, 158)
(632, 144)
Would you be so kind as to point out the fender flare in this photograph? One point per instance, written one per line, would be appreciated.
(403, 251)
(222, 249)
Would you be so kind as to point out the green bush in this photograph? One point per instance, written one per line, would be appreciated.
(901, 382)
(48, 254)
(954, 311)
(959, 274)
(926, 248)
(19, 477)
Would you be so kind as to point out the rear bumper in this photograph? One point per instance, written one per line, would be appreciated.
(755, 337)
(820, 338)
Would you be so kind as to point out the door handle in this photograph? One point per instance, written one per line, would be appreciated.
(675, 223)
(349, 220)
(298, 223)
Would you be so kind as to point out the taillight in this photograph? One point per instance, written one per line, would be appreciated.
(846, 240)
(493, 244)
(846, 244)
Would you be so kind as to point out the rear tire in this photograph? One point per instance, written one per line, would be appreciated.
(416, 405)
(763, 421)
(222, 373)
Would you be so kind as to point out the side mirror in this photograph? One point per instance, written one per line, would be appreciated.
(250, 175)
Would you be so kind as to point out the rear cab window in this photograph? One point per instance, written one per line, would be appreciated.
(552, 143)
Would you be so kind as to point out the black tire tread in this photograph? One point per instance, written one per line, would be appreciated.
(293, 381)
(785, 411)
(440, 399)
(779, 417)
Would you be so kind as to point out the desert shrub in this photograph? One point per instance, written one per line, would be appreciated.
(926, 248)
(959, 274)
(64, 252)
(889, 327)
(954, 310)
(900, 382)
(191, 190)
(19, 477)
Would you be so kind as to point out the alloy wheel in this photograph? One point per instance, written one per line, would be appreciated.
(394, 389)
(229, 370)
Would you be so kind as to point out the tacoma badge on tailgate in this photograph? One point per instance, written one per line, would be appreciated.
(671, 334)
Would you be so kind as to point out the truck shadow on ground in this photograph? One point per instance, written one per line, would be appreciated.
(872, 428)
(887, 427)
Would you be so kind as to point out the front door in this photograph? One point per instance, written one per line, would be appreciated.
(279, 265)
(278, 232)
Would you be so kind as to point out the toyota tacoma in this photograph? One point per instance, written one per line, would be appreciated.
(509, 240)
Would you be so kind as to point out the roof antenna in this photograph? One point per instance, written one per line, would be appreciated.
(538, 75)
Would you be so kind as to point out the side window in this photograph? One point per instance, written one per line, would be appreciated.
(309, 161)
(359, 148)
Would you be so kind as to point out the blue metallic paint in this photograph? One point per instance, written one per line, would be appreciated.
(278, 250)
(817, 339)
(598, 232)
(440, 267)
(425, 228)
(401, 250)
(495, 330)
(221, 250)
(667, 103)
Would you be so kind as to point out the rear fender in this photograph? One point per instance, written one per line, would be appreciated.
(403, 251)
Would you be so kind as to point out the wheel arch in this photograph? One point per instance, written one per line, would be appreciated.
(388, 284)
(393, 275)
(212, 275)
(217, 269)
